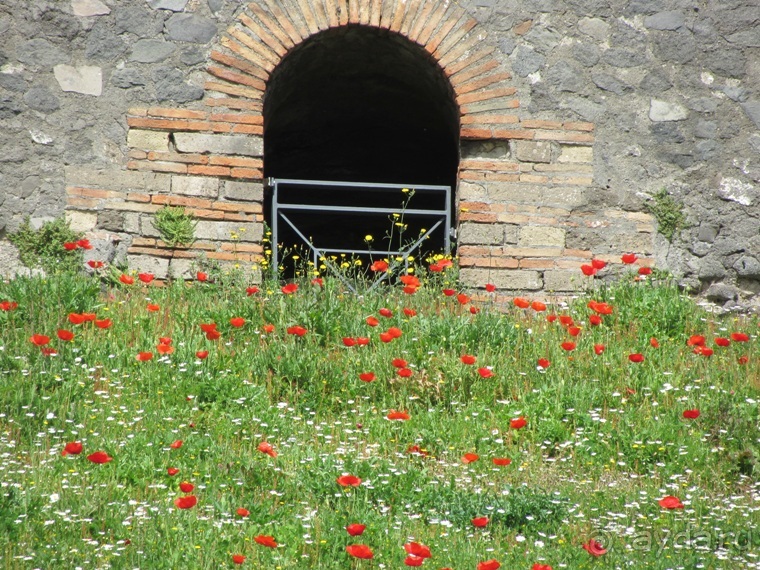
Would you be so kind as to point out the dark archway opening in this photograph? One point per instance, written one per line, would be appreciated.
(360, 104)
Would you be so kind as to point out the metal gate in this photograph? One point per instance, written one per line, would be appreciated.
(338, 201)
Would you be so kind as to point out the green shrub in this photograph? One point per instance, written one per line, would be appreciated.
(668, 213)
(44, 247)
(175, 225)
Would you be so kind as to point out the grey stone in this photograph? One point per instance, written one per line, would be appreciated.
(86, 8)
(564, 77)
(587, 54)
(655, 81)
(102, 44)
(754, 141)
(585, 108)
(41, 99)
(151, 51)
(78, 149)
(725, 61)
(111, 220)
(666, 111)
(86, 79)
(708, 232)
(609, 83)
(481, 234)
(40, 53)
(706, 149)
(40, 137)
(190, 28)
(525, 60)
(206, 230)
(173, 5)
(52, 22)
(671, 20)
(563, 281)
(182, 268)
(667, 133)
(507, 45)
(127, 77)
(748, 38)
(505, 280)
(721, 292)
(706, 129)
(619, 57)
(204, 186)
(146, 264)
(703, 104)
(735, 93)
(531, 151)
(223, 144)
(215, 5)
(679, 47)
(735, 190)
(747, 266)
(171, 86)
(710, 269)
(13, 82)
(244, 191)
(137, 19)
(594, 27)
(192, 56)
(752, 109)
(542, 38)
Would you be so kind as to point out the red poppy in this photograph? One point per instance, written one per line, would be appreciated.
(743, 359)
(268, 329)
(186, 487)
(8, 306)
(463, 299)
(521, 302)
(238, 558)
(201, 276)
(543, 363)
(186, 502)
(670, 502)
(208, 327)
(126, 279)
(289, 289)
(417, 549)
(739, 337)
(501, 461)
(636, 357)
(399, 363)
(696, 340)
(318, 281)
(349, 341)
(39, 339)
(103, 323)
(172, 471)
(654, 343)
(593, 547)
(164, 348)
(467, 359)
(518, 423)
(372, 321)
(213, 335)
(538, 306)
(629, 258)
(489, 565)
(355, 529)
(362, 340)
(720, 341)
(145, 277)
(409, 289)
(703, 351)
(152, 308)
(387, 313)
(410, 280)
(379, 266)
(435, 268)
(398, 415)
(297, 330)
(599, 349)
(490, 287)
(164, 340)
(598, 264)
(601, 308)
(645, 270)
(267, 448)
(251, 290)
(367, 376)
(237, 322)
(48, 351)
(474, 310)
(70, 245)
(84, 244)
(99, 457)
(385, 337)
(551, 318)
(573, 331)
(72, 448)
(349, 481)
(595, 320)
(566, 320)
(266, 540)
(480, 522)
(588, 270)
(65, 335)
(413, 560)
(201, 354)
(449, 292)
(144, 356)
(568, 346)
(89, 317)
(470, 458)
(176, 444)
(691, 414)
(95, 264)
(485, 372)
(410, 312)
(404, 372)
(360, 551)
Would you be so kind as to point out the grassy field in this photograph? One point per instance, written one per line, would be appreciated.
(490, 435)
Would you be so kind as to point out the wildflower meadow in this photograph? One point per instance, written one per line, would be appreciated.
(293, 425)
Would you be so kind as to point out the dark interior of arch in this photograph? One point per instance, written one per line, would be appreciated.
(359, 104)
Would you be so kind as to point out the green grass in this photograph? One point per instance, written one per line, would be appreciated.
(605, 438)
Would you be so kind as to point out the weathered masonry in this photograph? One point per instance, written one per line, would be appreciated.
(554, 122)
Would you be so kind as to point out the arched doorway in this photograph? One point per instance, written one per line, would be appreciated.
(361, 104)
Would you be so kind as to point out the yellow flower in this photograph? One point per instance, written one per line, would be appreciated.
(368, 238)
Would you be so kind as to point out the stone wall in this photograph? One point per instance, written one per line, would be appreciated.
(111, 108)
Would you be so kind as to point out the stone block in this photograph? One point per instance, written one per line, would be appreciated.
(244, 191)
(225, 231)
(132, 222)
(205, 186)
(555, 280)
(747, 266)
(671, 20)
(85, 79)
(511, 233)
(530, 151)
(190, 28)
(115, 179)
(531, 236)
(151, 51)
(110, 220)
(158, 266)
(660, 111)
(181, 268)
(219, 144)
(87, 8)
(471, 192)
(173, 5)
(594, 27)
(81, 221)
(147, 229)
(516, 280)
(481, 234)
(576, 154)
(148, 140)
